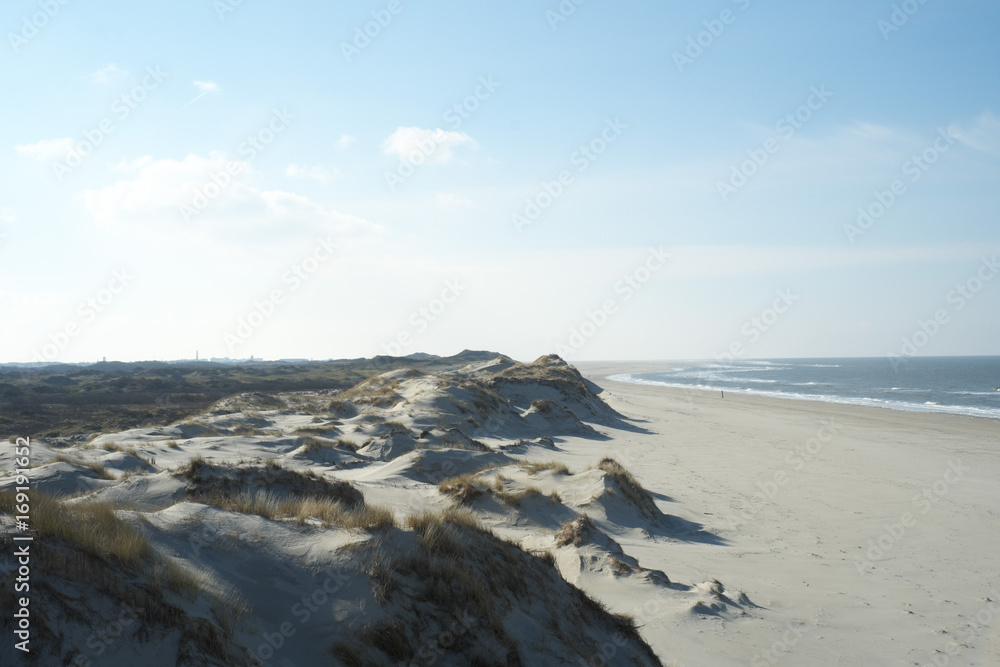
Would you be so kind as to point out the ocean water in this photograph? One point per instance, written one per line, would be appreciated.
(959, 385)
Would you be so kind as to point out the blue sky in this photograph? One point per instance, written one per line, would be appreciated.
(269, 180)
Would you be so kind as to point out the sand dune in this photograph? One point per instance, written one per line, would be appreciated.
(505, 513)
(259, 503)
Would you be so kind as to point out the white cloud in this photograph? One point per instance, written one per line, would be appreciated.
(345, 141)
(8, 216)
(316, 173)
(205, 87)
(107, 73)
(152, 193)
(434, 145)
(982, 135)
(47, 150)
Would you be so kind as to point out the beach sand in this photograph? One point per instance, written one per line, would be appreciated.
(865, 536)
(778, 532)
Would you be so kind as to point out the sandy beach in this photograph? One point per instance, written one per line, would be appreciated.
(313, 311)
(718, 531)
(865, 536)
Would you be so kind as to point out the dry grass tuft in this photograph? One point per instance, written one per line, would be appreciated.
(439, 531)
(534, 467)
(309, 508)
(209, 479)
(136, 455)
(397, 427)
(93, 465)
(132, 473)
(313, 445)
(230, 609)
(247, 430)
(630, 487)
(420, 521)
(542, 406)
(347, 654)
(290, 494)
(315, 430)
(516, 498)
(204, 428)
(620, 568)
(390, 637)
(349, 445)
(91, 527)
(576, 531)
(168, 575)
(464, 488)
(458, 568)
(376, 392)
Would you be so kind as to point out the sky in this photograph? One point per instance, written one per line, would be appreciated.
(606, 181)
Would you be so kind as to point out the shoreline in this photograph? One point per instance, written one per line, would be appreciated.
(739, 531)
(599, 372)
(835, 519)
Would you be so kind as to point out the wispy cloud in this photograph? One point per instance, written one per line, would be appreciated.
(206, 87)
(107, 73)
(345, 141)
(435, 145)
(152, 191)
(982, 135)
(46, 150)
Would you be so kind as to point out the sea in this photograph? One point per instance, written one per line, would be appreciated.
(957, 385)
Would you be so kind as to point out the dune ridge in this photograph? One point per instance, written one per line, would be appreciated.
(432, 500)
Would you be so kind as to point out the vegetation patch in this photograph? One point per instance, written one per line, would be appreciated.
(207, 479)
(535, 467)
(312, 445)
(375, 392)
(543, 406)
(88, 543)
(96, 467)
(349, 445)
(451, 567)
(392, 427)
(324, 510)
(274, 492)
(630, 487)
(464, 488)
(577, 532)
(91, 527)
(168, 575)
(315, 430)
(57, 400)
(516, 498)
